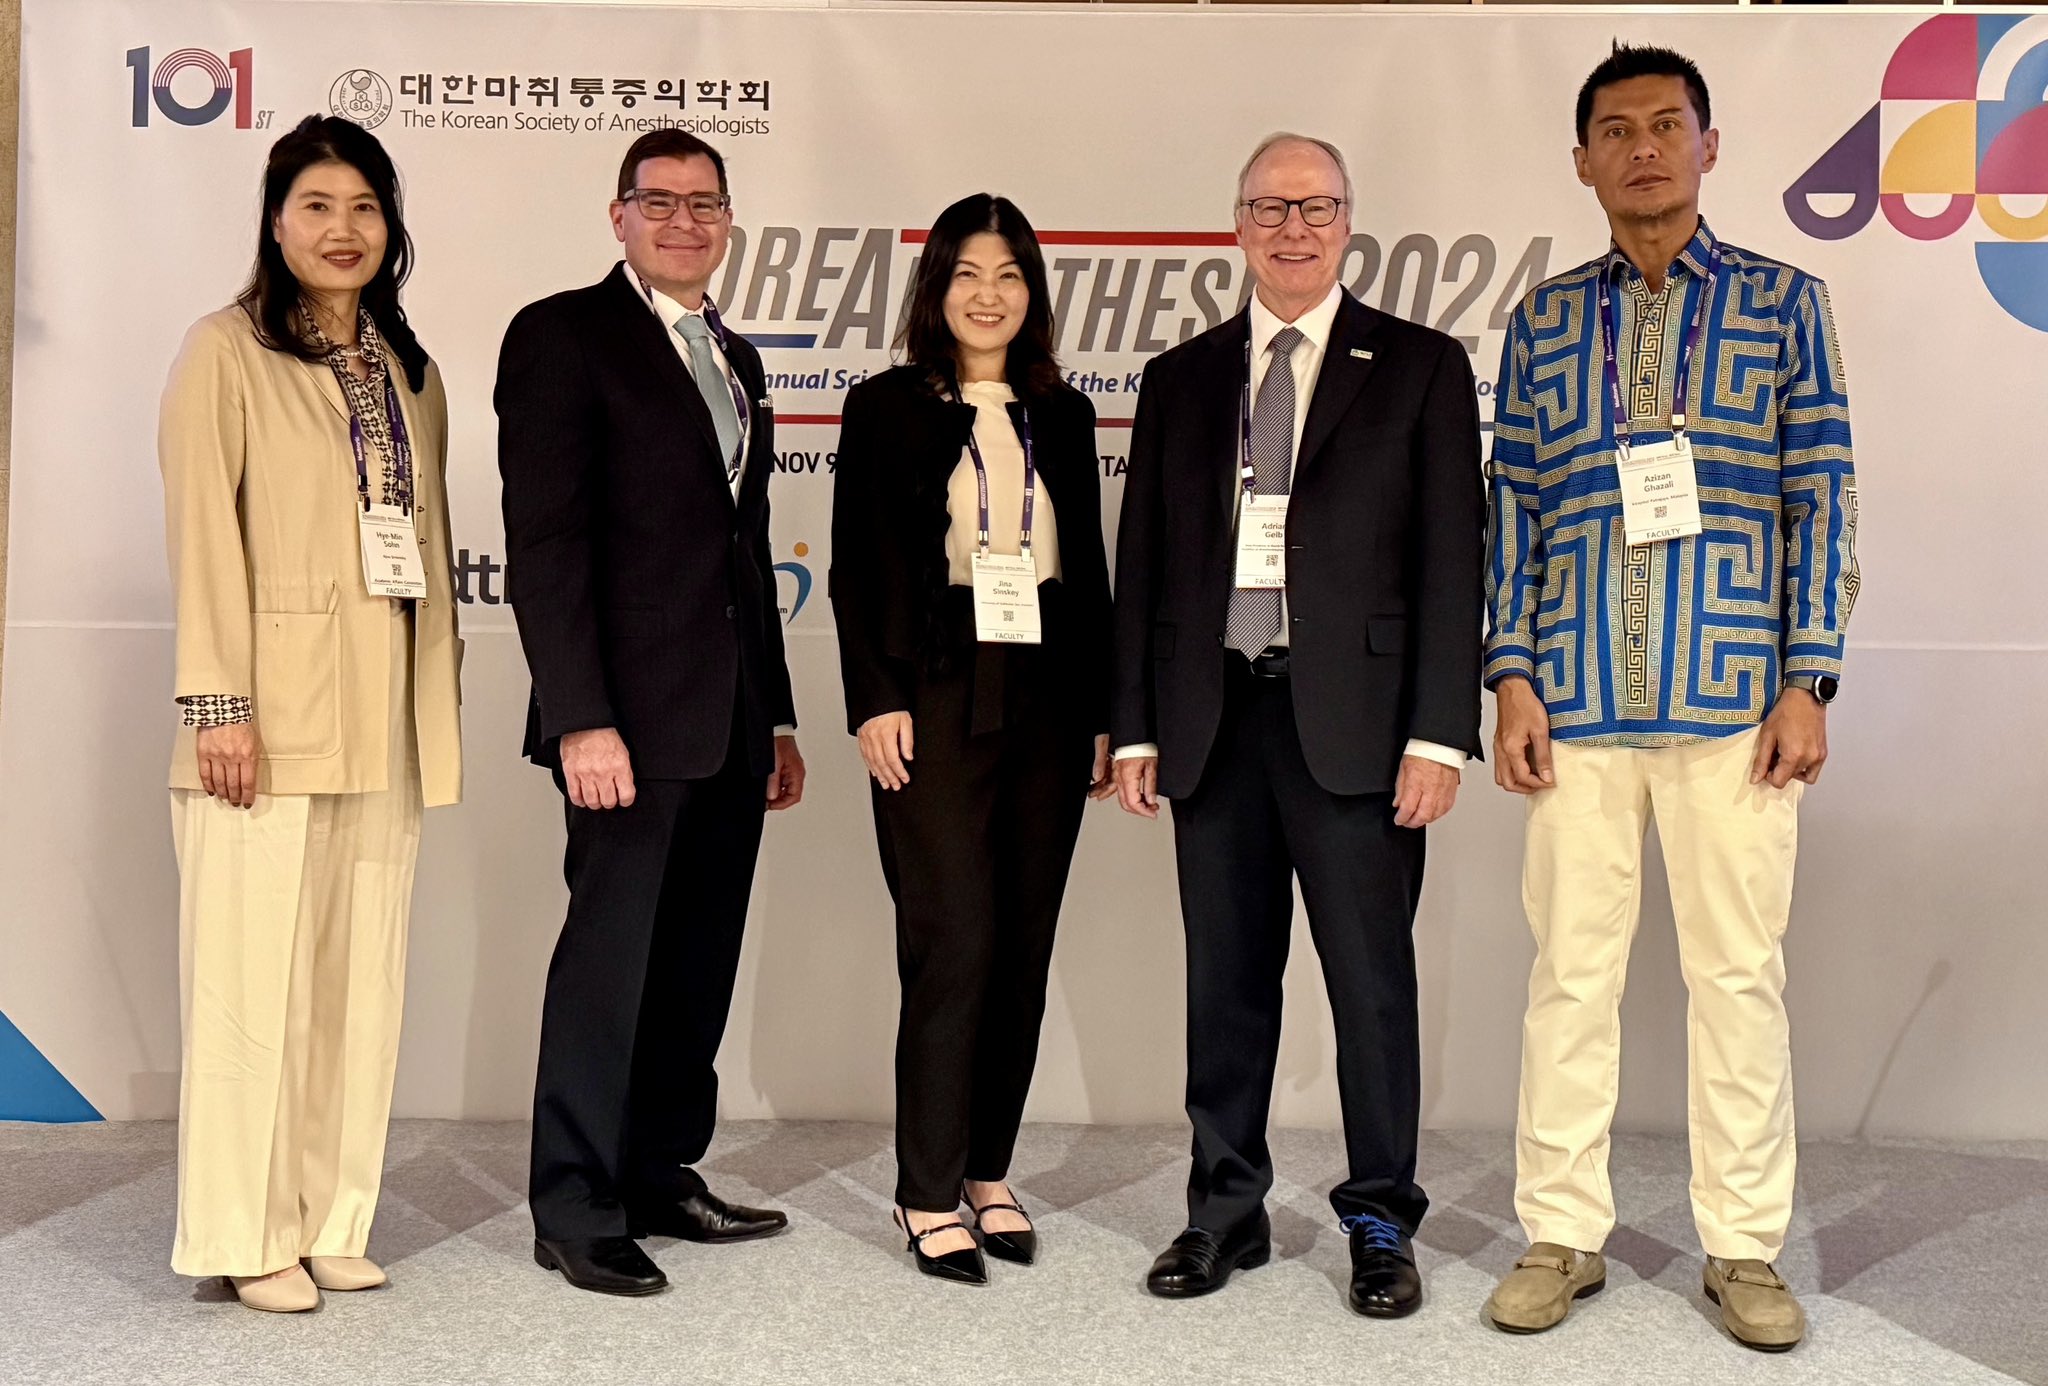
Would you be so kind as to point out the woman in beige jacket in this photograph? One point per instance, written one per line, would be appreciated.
(303, 441)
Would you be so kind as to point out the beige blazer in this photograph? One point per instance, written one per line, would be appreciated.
(260, 505)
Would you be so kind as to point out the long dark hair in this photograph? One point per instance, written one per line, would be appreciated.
(1032, 369)
(273, 299)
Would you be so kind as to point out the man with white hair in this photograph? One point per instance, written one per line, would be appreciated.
(1299, 589)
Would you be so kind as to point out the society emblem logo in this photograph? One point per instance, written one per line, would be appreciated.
(1962, 113)
(362, 96)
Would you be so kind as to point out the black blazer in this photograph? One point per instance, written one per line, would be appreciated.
(899, 442)
(645, 594)
(1385, 553)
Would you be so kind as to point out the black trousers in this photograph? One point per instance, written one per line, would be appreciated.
(976, 850)
(1257, 818)
(637, 997)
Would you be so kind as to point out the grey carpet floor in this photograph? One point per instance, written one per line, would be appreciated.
(1918, 1263)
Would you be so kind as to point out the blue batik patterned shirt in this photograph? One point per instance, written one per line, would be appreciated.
(1685, 639)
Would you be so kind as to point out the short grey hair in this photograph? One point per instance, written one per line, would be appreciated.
(1289, 137)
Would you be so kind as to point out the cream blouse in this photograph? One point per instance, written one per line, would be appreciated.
(1002, 451)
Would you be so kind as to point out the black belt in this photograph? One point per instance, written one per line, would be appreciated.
(1271, 662)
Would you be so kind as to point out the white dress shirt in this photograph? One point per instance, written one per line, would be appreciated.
(671, 312)
(1002, 453)
(1307, 362)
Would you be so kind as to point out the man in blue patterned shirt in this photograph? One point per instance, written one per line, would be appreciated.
(1672, 567)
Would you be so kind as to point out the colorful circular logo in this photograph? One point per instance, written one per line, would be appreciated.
(361, 96)
(1960, 128)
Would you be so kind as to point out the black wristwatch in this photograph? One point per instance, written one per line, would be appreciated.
(1822, 686)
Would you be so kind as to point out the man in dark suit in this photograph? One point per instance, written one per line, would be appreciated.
(636, 442)
(1297, 665)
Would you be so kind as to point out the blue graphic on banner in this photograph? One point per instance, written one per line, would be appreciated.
(31, 1089)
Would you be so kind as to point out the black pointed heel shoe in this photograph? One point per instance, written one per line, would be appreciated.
(1020, 1247)
(964, 1267)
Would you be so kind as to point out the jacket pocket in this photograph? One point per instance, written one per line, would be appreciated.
(298, 684)
(1386, 635)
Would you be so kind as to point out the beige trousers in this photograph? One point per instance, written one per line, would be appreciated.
(1729, 848)
(292, 927)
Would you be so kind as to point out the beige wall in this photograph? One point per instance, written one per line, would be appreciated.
(10, 144)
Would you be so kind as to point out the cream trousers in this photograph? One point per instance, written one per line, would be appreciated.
(292, 926)
(1729, 849)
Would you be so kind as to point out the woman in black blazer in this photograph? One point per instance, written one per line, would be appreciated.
(972, 465)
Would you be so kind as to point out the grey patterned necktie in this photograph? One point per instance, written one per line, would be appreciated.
(711, 384)
(1255, 611)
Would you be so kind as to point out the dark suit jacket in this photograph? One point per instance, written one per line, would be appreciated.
(645, 595)
(1385, 540)
(899, 443)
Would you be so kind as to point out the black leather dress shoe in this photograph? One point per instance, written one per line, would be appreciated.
(608, 1265)
(704, 1217)
(1199, 1261)
(1384, 1281)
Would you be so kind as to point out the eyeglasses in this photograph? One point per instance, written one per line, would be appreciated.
(659, 204)
(1272, 211)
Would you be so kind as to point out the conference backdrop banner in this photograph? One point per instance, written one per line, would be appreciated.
(1902, 157)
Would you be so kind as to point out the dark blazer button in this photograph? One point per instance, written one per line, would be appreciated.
(731, 613)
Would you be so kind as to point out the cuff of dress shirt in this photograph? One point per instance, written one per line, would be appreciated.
(786, 731)
(1430, 750)
(1135, 751)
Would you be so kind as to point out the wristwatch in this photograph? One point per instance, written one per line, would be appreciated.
(1822, 686)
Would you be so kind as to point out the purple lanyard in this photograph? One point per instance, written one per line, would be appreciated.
(401, 446)
(1244, 423)
(1623, 435)
(981, 477)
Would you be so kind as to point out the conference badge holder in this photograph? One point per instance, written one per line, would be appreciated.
(1659, 491)
(1006, 585)
(1261, 520)
(391, 544)
(391, 553)
(1261, 540)
(1660, 496)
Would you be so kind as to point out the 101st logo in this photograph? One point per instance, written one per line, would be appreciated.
(232, 82)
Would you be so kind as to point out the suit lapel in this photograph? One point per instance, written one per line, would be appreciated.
(1342, 375)
(329, 387)
(1223, 383)
(646, 338)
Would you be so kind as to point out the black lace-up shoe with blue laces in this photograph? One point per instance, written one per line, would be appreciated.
(1384, 1281)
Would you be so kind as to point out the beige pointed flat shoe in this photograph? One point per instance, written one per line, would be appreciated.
(345, 1272)
(287, 1292)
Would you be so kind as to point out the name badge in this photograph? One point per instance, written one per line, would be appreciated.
(391, 553)
(1262, 541)
(1006, 599)
(1659, 492)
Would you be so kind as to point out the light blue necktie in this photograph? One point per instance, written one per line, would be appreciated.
(711, 384)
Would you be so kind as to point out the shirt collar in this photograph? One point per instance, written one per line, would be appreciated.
(1315, 324)
(1694, 259)
(667, 309)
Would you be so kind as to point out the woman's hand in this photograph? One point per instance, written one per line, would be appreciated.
(886, 743)
(227, 762)
(1101, 784)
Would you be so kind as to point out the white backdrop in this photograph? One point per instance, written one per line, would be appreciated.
(1917, 948)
